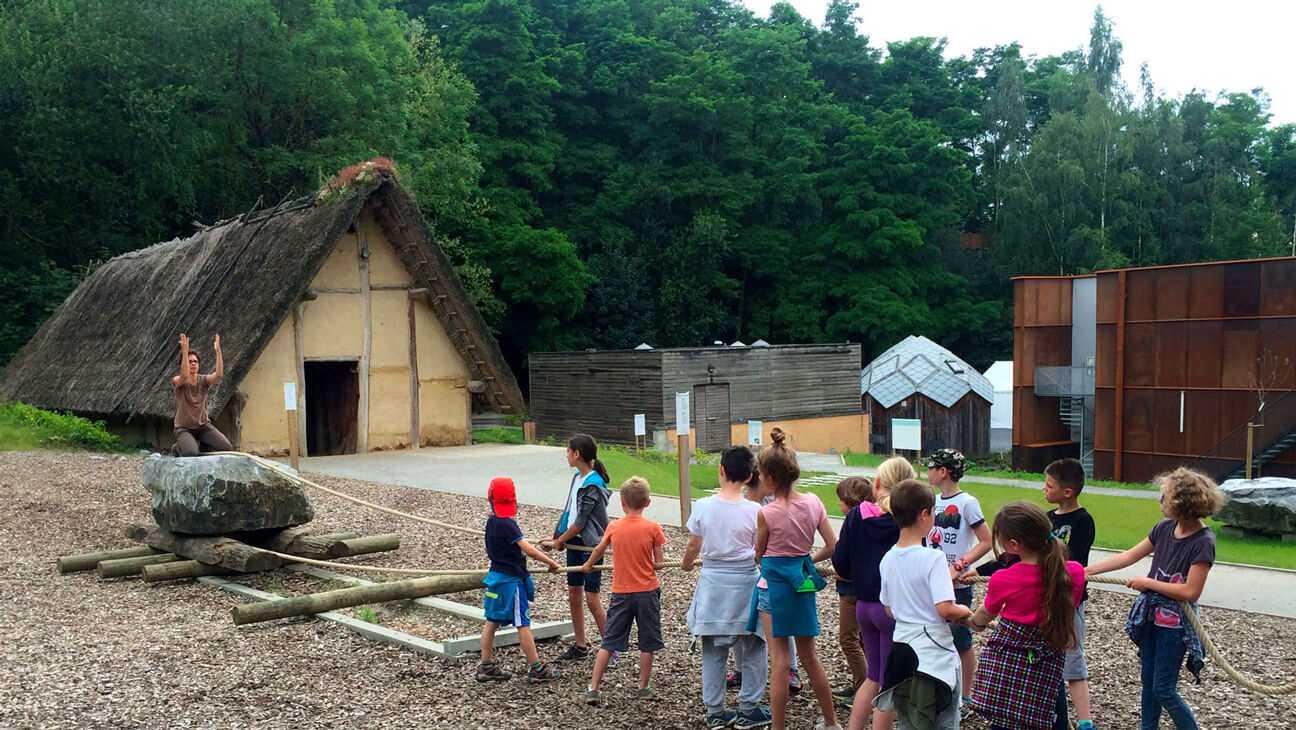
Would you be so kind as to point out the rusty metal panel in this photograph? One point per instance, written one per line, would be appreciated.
(1105, 356)
(1138, 419)
(1052, 302)
(1172, 293)
(1278, 340)
(1103, 465)
(1241, 347)
(1278, 288)
(1108, 299)
(1166, 438)
(1104, 413)
(1141, 294)
(1202, 420)
(1140, 355)
(1172, 354)
(1206, 361)
(1207, 284)
(1242, 289)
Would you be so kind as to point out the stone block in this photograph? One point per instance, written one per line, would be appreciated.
(1266, 505)
(214, 495)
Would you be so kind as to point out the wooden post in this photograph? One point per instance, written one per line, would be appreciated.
(362, 416)
(1250, 447)
(88, 561)
(685, 485)
(345, 597)
(413, 379)
(292, 440)
(299, 350)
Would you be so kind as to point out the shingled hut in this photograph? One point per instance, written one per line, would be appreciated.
(344, 293)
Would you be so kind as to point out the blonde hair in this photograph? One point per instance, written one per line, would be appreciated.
(1190, 494)
(634, 492)
(778, 463)
(890, 473)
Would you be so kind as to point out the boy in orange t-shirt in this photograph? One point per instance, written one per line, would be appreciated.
(636, 594)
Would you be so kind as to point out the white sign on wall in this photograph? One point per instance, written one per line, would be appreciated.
(906, 433)
(290, 396)
(641, 427)
(682, 414)
(753, 433)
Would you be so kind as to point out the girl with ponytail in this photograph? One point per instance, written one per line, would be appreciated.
(1019, 674)
(583, 521)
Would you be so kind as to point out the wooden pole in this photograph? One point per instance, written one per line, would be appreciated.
(685, 485)
(88, 561)
(179, 570)
(292, 440)
(132, 566)
(1250, 447)
(346, 597)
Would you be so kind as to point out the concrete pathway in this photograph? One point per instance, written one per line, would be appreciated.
(543, 478)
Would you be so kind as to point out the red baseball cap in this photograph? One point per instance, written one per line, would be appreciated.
(503, 497)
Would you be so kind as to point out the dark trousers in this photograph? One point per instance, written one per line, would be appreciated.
(1161, 654)
(188, 440)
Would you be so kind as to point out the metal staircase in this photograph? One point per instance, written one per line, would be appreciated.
(1079, 418)
(1265, 455)
(1275, 434)
(1073, 386)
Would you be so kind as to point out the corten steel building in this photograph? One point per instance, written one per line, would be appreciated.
(811, 391)
(1138, 371)
(917, 378)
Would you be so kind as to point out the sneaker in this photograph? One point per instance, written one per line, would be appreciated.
(612, 658)
(591, 696)
(821, 726)
(490, 672)
(645, 693)
(794, 683)
(733, 681)
(1085, 725)
(965, 709)
(573, 652)
(758, 716)
(724, 718)
(542, 672)
(844, 695)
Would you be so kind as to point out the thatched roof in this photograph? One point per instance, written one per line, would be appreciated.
(111, 348)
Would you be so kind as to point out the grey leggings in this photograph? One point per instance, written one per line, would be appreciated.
(187, 440)
(750, 658)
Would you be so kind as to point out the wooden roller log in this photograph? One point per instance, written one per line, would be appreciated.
(179, 570)
(299, 541)
(225, 552)
(132, 566)
(363, 545)
(436, 585)
(88, 561)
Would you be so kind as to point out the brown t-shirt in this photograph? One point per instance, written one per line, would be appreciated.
(191, 403)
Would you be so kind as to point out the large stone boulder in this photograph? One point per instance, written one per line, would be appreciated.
(213, 495)
(1267, 504)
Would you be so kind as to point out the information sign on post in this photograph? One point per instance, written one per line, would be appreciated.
(754, 433)
(906, 434)
(640, 429)
(290, 405)
(682, 446)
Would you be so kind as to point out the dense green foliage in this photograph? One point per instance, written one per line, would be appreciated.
(606, 172)
(26, 427)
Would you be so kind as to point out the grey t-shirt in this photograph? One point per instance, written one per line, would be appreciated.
(1173, 556)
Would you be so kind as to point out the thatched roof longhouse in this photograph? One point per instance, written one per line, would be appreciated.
(112, 347)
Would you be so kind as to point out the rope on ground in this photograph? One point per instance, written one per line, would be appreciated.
(278, 468)
(1207, 644)
(408, 571)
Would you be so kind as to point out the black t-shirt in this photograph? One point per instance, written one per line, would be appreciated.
(1076, 529)
(502, 536)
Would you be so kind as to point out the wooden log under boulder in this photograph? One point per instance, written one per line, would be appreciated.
(88, 561)
(346, 597)
(224, 552)
(132, 566)
(180, 570)
(364, 545)
(300, 541)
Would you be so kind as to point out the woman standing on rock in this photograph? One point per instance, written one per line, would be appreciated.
(192, 424)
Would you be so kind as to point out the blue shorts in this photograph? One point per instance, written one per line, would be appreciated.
(592, 580)
(962, 634)
(507, 610)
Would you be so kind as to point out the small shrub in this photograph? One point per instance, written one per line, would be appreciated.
(54, 429)
(366, 613)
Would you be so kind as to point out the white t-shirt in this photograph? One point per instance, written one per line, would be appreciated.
(727, 527)
(914, 580)
(956, 518)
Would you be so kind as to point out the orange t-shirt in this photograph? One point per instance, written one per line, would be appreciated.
(632, 540)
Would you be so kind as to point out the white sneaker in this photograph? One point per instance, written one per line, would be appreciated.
(612, 659)
(821, 726)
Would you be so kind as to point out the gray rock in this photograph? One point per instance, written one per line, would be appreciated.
(1267, 504)
(213, 495)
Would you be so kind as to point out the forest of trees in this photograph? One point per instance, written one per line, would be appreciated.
(610, 172)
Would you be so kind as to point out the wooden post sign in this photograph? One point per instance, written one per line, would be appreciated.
(682, 446)
(640, 429)
(290, 405)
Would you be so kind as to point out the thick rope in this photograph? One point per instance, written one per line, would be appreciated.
(1209, 645)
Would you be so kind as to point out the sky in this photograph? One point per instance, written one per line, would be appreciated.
(1235, 45)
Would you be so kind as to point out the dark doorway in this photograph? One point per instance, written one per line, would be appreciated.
(712, 416)
(332, 405)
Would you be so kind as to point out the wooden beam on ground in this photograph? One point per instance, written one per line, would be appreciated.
(88, 561)
(347, 597)
(365, 545)
(300, 541)
(123, 567)
(224, 552)
(180, 570)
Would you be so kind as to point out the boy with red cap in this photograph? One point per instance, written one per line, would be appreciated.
(509, 588)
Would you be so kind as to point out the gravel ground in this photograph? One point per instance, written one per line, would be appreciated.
(80, 652)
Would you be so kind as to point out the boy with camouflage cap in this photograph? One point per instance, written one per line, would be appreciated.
(958, 520)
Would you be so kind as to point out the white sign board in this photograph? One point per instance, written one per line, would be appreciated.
(681, 414)
(641, 427)
(753, 433)
(906, 433)
(290, 396)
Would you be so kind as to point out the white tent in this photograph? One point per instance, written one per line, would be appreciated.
(1000, 375)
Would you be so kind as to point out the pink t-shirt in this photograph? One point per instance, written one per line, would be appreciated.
(792, 524)
(1015, 592)
(869, 509)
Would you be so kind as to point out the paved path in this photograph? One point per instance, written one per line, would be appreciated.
(543, 477)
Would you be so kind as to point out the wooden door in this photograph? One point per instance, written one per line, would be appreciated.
(712, 404)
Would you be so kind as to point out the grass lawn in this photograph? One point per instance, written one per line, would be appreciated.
(498, 435)
(1121, 522)
(874, 460)
(853, 459)
(15, 436)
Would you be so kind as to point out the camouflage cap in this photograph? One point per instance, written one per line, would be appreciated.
(951, 459)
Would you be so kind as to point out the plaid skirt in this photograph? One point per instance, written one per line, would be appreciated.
(1018, 678)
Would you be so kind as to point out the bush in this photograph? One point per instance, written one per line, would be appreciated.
(54, 429)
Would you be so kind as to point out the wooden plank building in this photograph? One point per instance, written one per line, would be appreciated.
(811, 391)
